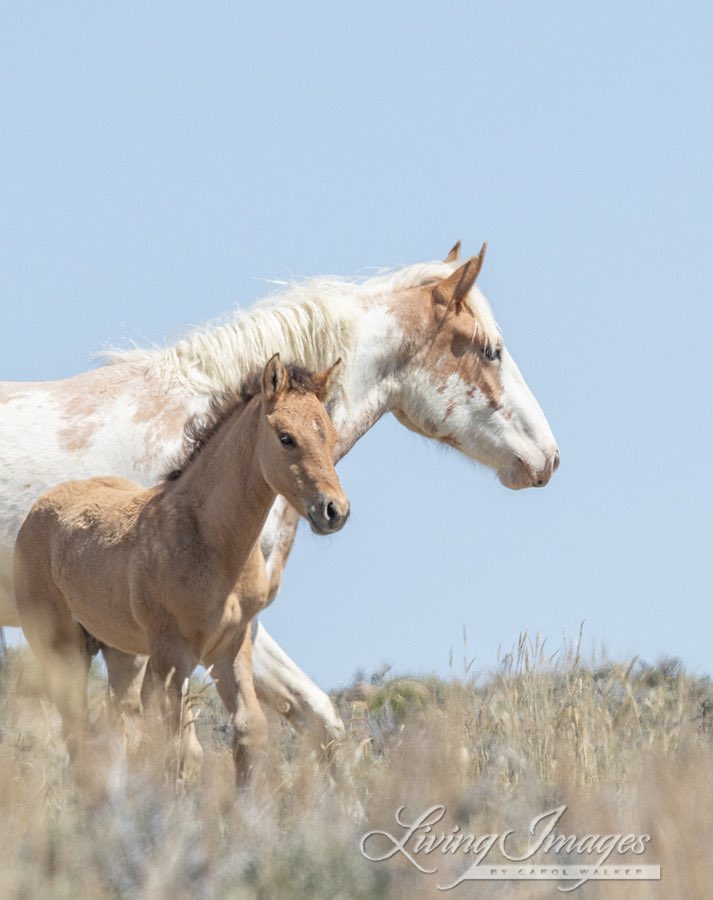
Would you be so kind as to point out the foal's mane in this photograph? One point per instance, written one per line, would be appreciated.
(312, 321)
(201, 429)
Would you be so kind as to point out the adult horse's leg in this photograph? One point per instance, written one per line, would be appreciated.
(283, 686)
(234, 681)
(279, 683)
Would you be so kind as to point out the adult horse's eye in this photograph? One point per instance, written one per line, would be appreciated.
(491, 353)
(287, 440)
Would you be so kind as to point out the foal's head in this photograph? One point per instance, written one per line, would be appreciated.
(295, 444)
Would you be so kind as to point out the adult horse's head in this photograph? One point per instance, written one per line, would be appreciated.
(462, 387)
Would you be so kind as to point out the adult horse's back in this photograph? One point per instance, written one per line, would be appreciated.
(420, 342)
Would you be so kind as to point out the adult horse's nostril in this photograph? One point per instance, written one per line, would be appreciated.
(331, 511)
(556, 461)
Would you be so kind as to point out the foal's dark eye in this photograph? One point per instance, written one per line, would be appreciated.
(491, 353)
(287, 440)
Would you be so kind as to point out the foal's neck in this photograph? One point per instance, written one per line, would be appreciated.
(225, 487)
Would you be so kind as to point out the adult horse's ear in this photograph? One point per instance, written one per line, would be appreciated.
(324, 381)
(455, 288)
(274, 378)
(453, 253)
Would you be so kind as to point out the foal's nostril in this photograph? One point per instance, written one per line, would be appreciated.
(331, 511)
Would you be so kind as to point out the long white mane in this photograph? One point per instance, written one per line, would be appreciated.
(312, 322)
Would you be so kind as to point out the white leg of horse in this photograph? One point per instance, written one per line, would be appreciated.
(281, 685)
(285, 688)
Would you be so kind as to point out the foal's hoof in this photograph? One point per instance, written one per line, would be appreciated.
(191, 758)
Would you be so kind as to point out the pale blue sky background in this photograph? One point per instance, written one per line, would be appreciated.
(157, 159)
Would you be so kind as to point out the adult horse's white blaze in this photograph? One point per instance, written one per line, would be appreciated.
(526, 434)
(420, 342)
(462, 387)
(511, 436)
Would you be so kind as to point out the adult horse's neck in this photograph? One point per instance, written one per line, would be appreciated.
(368, 338)
(225, 487)
(372, 378)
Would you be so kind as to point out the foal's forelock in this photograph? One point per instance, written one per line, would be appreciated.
(224, 405)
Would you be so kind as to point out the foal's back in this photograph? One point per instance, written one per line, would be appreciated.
(89, 513)
(75, 544)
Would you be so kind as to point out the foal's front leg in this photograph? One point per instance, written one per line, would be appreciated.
(125, 673)
(234, 680)
(171, 662)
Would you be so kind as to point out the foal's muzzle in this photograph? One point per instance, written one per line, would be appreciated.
(328, 514)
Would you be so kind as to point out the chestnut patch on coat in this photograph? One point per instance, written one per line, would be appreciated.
(447, 339)
(76, 436)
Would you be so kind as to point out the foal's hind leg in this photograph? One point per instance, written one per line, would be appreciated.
(234, 679)
(60, 644)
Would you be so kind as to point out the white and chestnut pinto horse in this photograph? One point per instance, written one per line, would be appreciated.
(420, 342)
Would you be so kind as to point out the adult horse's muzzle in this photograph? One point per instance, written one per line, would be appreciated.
(328, 514)
(520, 474)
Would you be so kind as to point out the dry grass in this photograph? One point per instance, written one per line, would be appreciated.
(628, 748)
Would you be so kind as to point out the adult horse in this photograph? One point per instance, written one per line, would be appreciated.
(420, 342)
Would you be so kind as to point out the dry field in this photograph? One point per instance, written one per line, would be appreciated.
(628, 749)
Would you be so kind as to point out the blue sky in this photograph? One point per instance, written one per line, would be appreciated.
(159, 160)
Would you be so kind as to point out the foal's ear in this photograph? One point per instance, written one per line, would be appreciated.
(274, 379)
(324, 381)
(453, 253)
(455, 288)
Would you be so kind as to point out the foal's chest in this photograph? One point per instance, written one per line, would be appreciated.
(220, 621)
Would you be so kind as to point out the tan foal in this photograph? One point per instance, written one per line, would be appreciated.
(175, 571)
